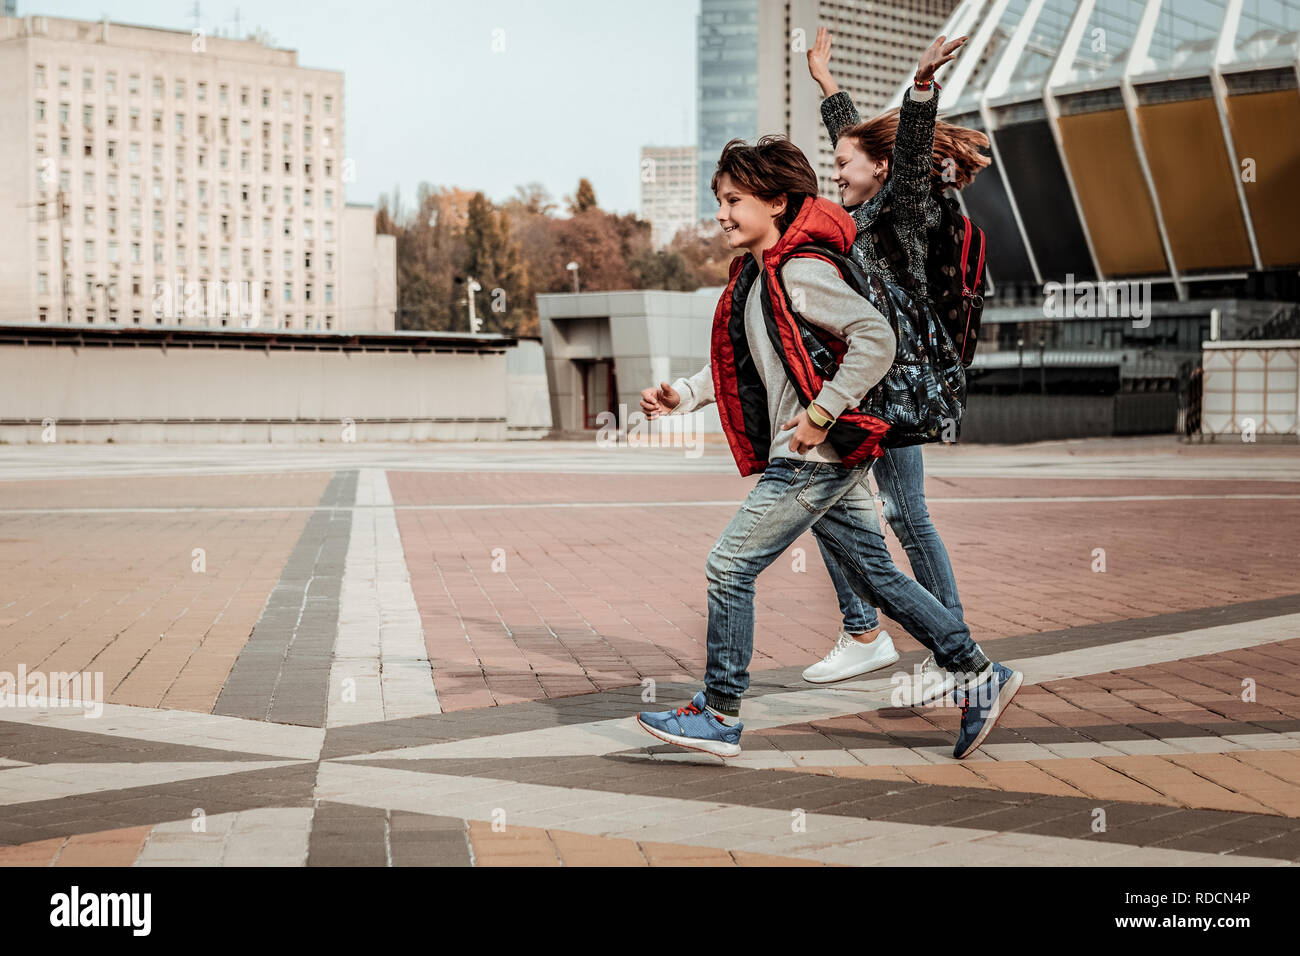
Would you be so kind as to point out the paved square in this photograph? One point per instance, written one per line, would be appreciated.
(431, 654)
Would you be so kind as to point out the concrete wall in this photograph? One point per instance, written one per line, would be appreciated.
(369, 290)
(651, 336)
(529, 409)
(1251, 385)
(304, 387)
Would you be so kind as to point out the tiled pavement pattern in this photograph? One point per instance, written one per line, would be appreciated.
(277, 708)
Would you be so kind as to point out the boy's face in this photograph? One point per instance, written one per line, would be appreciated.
(747, 221)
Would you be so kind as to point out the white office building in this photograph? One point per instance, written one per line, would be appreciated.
(156, 177)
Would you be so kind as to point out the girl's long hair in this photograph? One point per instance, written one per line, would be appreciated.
(771, 168)
(957, 157)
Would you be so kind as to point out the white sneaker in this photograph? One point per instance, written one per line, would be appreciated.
(931, 683)
(851, 658)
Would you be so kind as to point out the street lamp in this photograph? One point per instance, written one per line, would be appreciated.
(573, 267)
(472, 286)
(1020, 367)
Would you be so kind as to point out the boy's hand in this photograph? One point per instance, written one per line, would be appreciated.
(819, 58)
(659, 401)
(807, 436)
(936, 55)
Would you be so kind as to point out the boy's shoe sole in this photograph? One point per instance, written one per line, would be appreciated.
(1005, 696)
(716, 747)
(858, 673)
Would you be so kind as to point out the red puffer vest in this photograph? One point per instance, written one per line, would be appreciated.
(742, 399)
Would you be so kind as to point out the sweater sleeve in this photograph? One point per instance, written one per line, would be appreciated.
(696, 391)
(838, 112)
(912, 161)
(831, 304)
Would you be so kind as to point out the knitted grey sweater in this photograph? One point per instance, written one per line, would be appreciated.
(912, 207)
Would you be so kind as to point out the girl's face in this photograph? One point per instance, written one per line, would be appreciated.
(747, 221)
(858, 174)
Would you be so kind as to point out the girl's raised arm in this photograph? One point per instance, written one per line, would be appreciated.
(913, 157)
(838, 110)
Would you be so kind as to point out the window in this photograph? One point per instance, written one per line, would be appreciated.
(329, 106)
(266, 162)
(245, 227)
(306, 291)
(329, 262)
(63, 77)
(288, 196)
(179, 86)
(245, 130)
(110, 81)
(306, 103)
(329, 294)
(329, 199)
(111, 117)
(329, 230)
(158, 253)
(157, 222)
(133, 153)
(266, 267)
(201, 92)
(288, 261)
(88, 215)
(307, 229)
(39, 79)
(135, 187)
(224, 259)
(156, 124)
(89, 250)
(243, 161)
(287, 130)
(243, 96)
(88, 148)
(288, 292)
(266, 98)
(63, 113)
(203, 224)
(286, 101)
(180, 123)
(288, 228)
(157, 157)
(266, 233)
(88, 181)
(87, 80)
(224, 193)
(112, 250)
(111, 188)
(327, 139)
(225, 127)
(42, 283)
(288, 164)
(135, 117)
(157, 188)
(224, 157)
(306, 198)
(135, 258)
(112, 219)
(223, 94)
(246, 259)
(203, 257)
(157, 87)
(306, 137)
(88, 116)
(135, 219)
(64, 147)
(133, 84)
(306, 259)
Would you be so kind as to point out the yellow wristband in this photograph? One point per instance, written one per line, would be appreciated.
(818, 419)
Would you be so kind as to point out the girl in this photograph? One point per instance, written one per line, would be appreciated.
(891, 172)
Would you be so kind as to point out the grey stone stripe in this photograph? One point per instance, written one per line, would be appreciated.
(1131, 823)
(626, 701)
(147, 805)
(282, 674)
(33, 743)
(343, 834)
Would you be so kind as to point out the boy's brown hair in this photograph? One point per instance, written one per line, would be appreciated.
(771, 168)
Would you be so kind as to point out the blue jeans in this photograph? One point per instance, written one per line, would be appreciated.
(900, 474)
(791, 496)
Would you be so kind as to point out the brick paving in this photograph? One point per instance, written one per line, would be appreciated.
(248, 718)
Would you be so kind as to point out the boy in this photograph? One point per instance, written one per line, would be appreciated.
(808, 438)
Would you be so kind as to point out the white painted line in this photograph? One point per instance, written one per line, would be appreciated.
(380, 648)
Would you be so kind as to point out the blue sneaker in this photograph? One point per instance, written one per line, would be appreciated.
(694, 728)
(982, 705)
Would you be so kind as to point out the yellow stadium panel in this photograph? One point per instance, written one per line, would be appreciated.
(1112, 193)
(1266, 129)
(1193, 180)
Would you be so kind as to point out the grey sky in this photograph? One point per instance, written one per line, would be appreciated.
(580, 87)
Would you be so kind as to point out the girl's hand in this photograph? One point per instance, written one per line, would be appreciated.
(936, 55)
(819, 58)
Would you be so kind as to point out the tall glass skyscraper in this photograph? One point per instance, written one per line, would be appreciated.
(727, 77)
